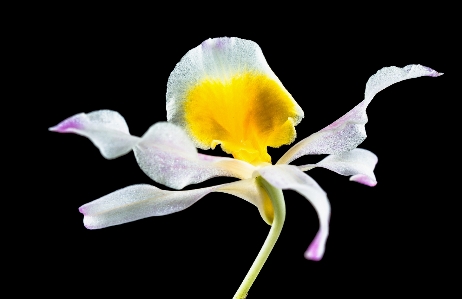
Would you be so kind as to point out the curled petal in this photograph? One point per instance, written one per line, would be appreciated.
(168, 156)
(358, 163)
(349, 131)
(224, 92)
(164, 153)
(290, 177)
(107, 130)
(142, 201)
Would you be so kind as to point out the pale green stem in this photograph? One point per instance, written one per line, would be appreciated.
(277, 199)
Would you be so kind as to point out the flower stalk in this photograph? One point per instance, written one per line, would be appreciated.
(277, 199)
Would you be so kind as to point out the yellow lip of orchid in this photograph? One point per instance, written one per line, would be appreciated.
(223, 92)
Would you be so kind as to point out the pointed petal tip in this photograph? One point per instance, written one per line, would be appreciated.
(363, 179)
(53, 129)
(66, 126)
(60, 128)
(432, 72)
(313, 257)
(315, 251)
(436, 74)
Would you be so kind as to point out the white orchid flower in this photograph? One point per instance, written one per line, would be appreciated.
(224, 92)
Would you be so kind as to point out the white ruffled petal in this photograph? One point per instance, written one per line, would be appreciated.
(107, 130)
(165, 153)
(358, 163)
(290, 177)
(219, 58)
(168, 156)
(349, 131)
(223, 92)
(142, 201)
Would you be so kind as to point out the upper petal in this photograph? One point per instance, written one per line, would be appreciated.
(141, 201)
(224, 92)
(349, 131)
(358, 163)
(290, 177)
(164, 153)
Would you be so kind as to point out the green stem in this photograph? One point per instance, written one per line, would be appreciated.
(277, 199)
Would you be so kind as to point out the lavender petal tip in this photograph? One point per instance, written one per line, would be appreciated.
(432, 72)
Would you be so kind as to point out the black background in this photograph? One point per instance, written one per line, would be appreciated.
(391, 238)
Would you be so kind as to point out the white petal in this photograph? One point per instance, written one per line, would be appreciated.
(107, 130)
(290, 177)
(358, 163)
(137, 202)
(218, 59)
(165, 153)
(142, 201)
(348, 132)
(168, 156)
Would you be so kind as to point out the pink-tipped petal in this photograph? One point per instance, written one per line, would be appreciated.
(316, 249)
(358, 163)
(69, 125)
(349, 131)
(107, 130)
(165, 153)
(363, 179)
(290, 177)
(168, 156)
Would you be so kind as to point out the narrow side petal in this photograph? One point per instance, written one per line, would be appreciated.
(290, 177)
(349, 131)
(107, 130)
(168, 156)
(142, 201)
(137, 202)
(358, 163)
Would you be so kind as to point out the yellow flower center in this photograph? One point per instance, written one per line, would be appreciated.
(245, 114)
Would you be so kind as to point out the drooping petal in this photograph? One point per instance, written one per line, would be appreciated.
(164, 153)
(358, 163)
(107, 130)
(224, 92)
(141, 201)
(349, 131)
(168, 156)
(290, 177)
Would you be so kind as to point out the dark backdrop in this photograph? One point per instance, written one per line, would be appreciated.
(384, 239)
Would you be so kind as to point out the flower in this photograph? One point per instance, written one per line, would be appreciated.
(224, 93)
